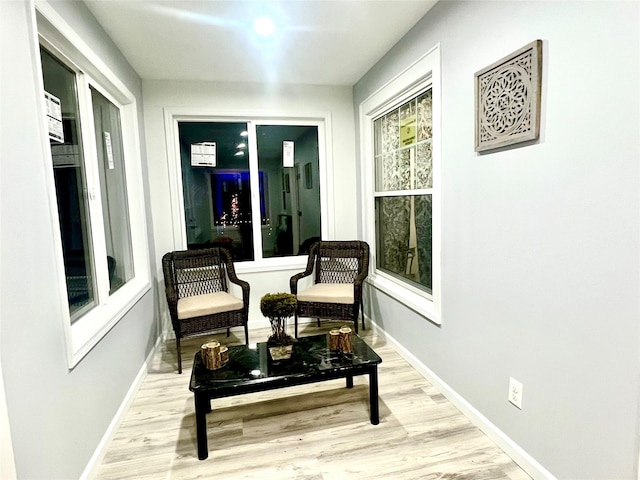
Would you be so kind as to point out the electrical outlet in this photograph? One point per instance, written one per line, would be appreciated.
(515, 392)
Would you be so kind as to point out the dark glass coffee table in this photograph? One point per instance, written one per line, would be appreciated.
(250, 369)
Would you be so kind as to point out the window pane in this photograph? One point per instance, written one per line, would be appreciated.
(402, 147)
(216, 188)
(424, 166)
(391, 132)
(378, 126)
(408, 120)
(425, 127)
(291, 195)
(69, 175)
(403, 240)
(115, 208)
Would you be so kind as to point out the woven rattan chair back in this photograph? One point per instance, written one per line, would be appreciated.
(338, 262)
(200, 274)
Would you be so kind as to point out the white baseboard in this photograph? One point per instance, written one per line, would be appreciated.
(261, 322)
(98, 455)
(512, 449)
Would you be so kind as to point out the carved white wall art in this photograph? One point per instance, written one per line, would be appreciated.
(507, 95)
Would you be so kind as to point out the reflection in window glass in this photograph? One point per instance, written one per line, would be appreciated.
(293, 194)
(404, 183)
(115, 209)
(404, 238)
(217, 179)
(216, 186)
(70, 181)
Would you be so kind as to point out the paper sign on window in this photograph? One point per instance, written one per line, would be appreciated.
(408, 130)
(287, 154)
(203, 154)
(54, 117)
(108, 149)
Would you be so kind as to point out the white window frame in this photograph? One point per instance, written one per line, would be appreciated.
(172, 116)
(53, 32)
(422, 74)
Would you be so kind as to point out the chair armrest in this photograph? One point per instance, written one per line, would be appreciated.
(359, 280)
(245, 289)
(233, 278)
(169, 287)
(357, 288)
(170, 292)
(172, 303)
(293, 281)
(365, 267)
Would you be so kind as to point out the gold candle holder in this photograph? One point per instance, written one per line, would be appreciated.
(224, 354)
(211, 355)
(334, 339)
(346, 345)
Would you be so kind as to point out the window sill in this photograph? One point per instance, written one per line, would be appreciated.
(298, 262)
(417, 302)
(92, 327)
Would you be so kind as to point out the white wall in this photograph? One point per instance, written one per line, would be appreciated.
(251, 99)
(540, 245)
(57, 416)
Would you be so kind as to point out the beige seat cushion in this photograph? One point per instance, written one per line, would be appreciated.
(328, 293)
(207, 304)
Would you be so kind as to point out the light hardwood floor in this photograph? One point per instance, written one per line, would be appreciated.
(312, 432)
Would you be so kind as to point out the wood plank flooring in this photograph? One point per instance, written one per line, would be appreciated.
(311, 432)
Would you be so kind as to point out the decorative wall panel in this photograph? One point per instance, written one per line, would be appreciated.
(507, 97)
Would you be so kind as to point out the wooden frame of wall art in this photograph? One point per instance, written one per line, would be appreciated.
(507, 99)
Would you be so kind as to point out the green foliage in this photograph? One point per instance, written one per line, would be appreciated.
(278, 305)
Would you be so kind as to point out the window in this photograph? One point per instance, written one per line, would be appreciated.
(71, 183)
(113, 187)
(403, 191)
(91, 128)
(399, 131)
(83, 257)
(236, 172)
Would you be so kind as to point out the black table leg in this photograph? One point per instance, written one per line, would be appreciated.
(349, 381)
(373, 395)
(203, 406)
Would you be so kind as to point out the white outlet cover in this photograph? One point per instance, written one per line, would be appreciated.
(515, 392)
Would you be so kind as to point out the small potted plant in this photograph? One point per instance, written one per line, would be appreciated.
(278, 307)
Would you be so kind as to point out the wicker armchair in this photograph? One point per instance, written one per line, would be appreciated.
(340, 269)
(197, 289)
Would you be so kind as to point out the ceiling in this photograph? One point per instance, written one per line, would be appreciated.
(318, 42)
